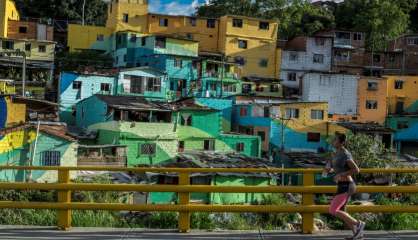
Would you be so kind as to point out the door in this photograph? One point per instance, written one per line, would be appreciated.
(399, 107)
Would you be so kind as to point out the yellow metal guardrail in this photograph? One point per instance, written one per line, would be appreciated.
(184, 188)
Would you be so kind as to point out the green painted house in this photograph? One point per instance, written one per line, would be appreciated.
(154, 132)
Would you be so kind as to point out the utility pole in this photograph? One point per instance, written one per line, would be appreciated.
(24, 75)
(283, 122)
(222, 75)
(83, 13)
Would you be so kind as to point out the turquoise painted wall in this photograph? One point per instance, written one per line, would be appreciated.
(69, 97)
(163, 94)
(91, 111)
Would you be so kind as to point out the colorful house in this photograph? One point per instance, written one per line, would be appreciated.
(372, 100)
(21, 145)
(403, 112)
(147, 82)
(217, 78)
(154, 132)
(200, 159)
(248, 41)
(290, 125)
(30, 40)
(74, 87)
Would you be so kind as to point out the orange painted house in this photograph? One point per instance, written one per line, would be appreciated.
(372, 100)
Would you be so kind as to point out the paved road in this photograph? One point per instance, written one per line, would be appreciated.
(33, 233)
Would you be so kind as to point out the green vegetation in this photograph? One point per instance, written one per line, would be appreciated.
(70, 10)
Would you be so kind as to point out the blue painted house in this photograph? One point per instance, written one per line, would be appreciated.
(145, 82)
(302, 125)
(177, 57)
(74, 87)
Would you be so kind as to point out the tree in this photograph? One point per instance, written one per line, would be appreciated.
(95, 10)
(367, 151)
(382, 20)
(296, 17)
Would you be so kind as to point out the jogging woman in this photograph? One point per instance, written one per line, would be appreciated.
(344, 167)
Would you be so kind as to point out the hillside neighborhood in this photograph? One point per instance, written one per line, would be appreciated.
(196, 92)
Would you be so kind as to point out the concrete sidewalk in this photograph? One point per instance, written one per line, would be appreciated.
(13, 232)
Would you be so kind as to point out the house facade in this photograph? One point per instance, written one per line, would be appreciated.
(339, 90)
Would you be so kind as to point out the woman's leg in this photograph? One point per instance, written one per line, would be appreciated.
(335, 209)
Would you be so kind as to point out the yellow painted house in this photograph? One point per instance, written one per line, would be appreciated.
(402, 92)
(250, 42)
(8, 12)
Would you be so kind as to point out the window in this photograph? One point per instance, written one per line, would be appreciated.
(291, 77)
(317, 114)
(262, 135)
(371, 104)
(236, 22)
(100, 37)
(266, 112)
(189, 36)
(77, 85)
(239, 147)
(342, 55)
(264, 62)
(412, 41)
(372, 86)
(259, 88)
(51, 158)
(125, 58)
(403, 125)
(319, 41)
(23, 29)
(178, 63)
(192, 22)
(398, 84)
(143, 41)
(133, 37)
(357, 36)
(105, 87)
(148, 149)
(125, 17)
(274, 88)
(28, 47)
(264, 25)
(243, 111)
(8, 45)
(163, 22)
(314, 137)
(318, 58)
(160, 42)
(42, 48)
(210, 23)
(181, 146)
(293, 57)
(153, 84)
(242, 44)
(137, 83)
(239, 60)
(292, 113)
(231, 88)
(209, 145)
(376, 58)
